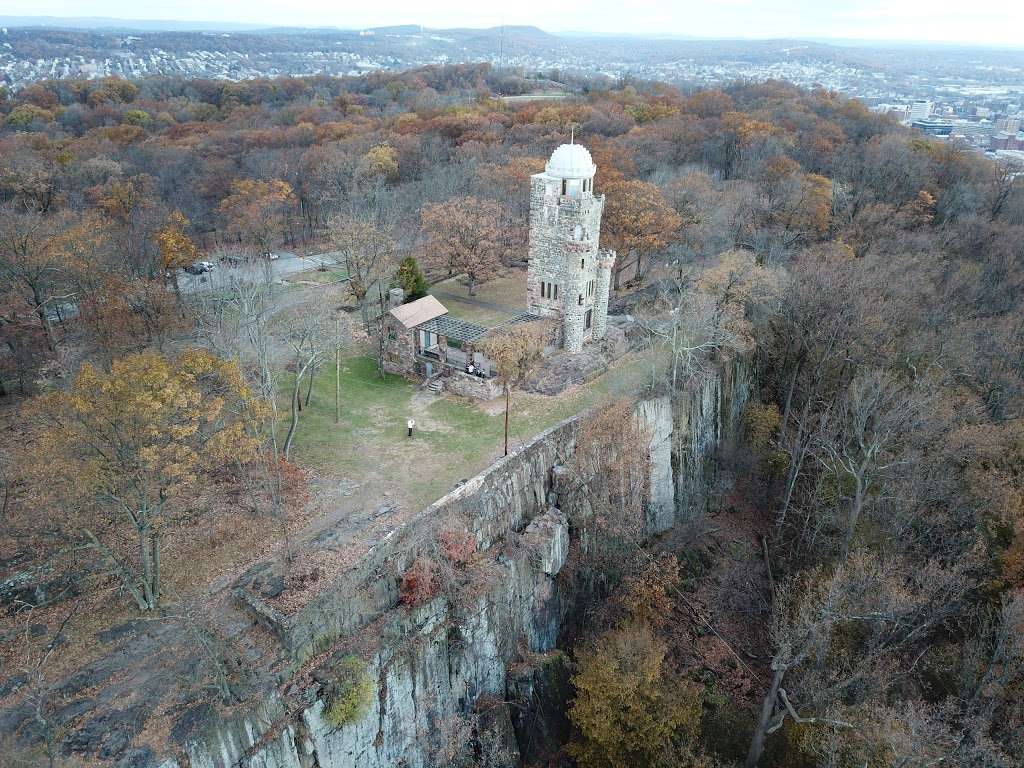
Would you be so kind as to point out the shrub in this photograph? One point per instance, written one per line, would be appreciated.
(350, 693)
(457, 545)
(420, 583)
(136, 117)
(24, 115)
(645, 596)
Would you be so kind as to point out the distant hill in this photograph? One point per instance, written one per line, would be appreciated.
(141, 25)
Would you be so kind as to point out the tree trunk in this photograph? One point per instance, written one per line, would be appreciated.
(146, 564)
(767, 709)
(787, 408)
(856, 505)
(128, 580)
(508, 397)
(796, 459)
(472, 285)
(296, 407)
(44, 320)
(156, 567)
(309, 388)
(337, 383)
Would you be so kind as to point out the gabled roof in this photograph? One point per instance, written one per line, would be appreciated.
(418, 312)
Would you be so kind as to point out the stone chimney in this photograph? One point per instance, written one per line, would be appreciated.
(396, 297)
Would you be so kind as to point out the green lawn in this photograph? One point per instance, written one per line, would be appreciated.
(454, 438)
(503, 298)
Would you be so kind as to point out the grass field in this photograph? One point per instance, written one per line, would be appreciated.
(454, 438)
(495, 301)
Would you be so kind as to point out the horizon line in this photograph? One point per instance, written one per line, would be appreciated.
(117, 22)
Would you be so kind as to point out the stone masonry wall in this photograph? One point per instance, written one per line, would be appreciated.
(555, 257)
(605, 263)
(464, 384)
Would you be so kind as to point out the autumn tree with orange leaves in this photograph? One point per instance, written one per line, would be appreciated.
(465, 236)
(637, 223)
(124, 451)
(177, 249)
(254, 213)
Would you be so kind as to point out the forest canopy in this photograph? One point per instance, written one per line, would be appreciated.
(872, 278)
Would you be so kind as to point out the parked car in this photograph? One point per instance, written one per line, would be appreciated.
(199, 268)
(232, 259)
(271, 256)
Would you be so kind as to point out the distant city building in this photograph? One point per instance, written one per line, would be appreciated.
(933, 127)
(1003, 141)
(976, 133)
(1013, 158)
(1008, 124)
(921, 110)
(899, 111)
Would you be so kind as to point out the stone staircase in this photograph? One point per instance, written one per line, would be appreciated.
(435, 385)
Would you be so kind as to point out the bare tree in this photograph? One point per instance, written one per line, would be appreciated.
(33, 262)
(893, 607)
(36, 669)
(236, 322)
(305, 331)
(516, 353)
(862, 437)
(367, 253)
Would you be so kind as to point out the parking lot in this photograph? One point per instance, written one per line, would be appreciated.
(286, 263)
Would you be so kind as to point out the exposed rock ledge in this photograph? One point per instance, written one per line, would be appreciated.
(441, 665)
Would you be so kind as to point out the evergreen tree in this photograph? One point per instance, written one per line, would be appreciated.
(410, 278)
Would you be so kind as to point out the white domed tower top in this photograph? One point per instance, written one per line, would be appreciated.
(571, 161)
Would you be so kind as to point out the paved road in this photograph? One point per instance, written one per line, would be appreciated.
(286, 264)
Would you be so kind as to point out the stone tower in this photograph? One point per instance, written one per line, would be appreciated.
(569, 275)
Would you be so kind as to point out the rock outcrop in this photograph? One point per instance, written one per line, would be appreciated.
(478, 665)
(445, 670)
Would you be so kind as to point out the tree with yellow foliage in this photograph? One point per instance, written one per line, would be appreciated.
(177, 249)
(122, 451)
(381, 162)
(631, 710)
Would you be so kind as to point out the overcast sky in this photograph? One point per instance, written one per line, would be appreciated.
(999, 22)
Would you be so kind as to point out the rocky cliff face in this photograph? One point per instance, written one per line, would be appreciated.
(444, 671)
